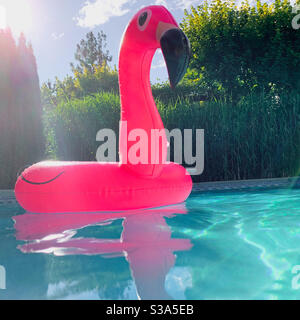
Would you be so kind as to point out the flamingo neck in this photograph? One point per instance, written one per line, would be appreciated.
(134, 78)
(138, 109)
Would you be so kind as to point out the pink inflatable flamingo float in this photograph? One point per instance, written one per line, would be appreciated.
(53, 187)
(145, 242)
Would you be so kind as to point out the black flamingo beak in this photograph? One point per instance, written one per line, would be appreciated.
(177, 51)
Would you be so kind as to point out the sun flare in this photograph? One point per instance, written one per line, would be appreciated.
(2, 17)
(16, 14)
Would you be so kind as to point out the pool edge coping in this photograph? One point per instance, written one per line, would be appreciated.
(247, 184)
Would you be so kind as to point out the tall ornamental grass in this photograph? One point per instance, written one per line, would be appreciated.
(257, 137)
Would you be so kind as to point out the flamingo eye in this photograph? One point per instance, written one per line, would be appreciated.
(142, 19)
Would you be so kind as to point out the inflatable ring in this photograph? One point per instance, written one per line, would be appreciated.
(51, 187)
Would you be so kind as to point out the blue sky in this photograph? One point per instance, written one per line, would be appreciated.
(54, 27)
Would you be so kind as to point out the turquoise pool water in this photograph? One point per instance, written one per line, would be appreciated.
(222, 245)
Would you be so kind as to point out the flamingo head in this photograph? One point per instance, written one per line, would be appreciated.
(154, 27)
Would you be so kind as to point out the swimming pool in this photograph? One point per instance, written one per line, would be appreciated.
(219, 245)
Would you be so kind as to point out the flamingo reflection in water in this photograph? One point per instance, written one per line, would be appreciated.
(145, 242)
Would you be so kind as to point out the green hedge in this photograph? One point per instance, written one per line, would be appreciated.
(71, 127)
(244, 45)
(258, 137)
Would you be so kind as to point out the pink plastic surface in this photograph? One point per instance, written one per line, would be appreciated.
(51, 187)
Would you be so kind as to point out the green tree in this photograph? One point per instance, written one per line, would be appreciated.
(246, 47)
(29, 102)
(91, 75)
(90, 53)
(21, 132)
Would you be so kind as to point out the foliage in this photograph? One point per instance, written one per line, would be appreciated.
(242, 48)
(72, 126)
(258, 137)
(90, 53)
(90, 76)
(241, 88)
(103, 79)
(21, 133)
(188, 89)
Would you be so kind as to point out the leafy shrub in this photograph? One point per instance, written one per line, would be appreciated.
(104, 79)
(72, 126)
(245, 47)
